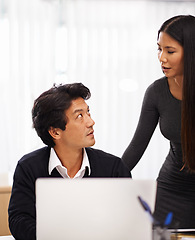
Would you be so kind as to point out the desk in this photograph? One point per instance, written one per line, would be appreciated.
(5, 192)
(7, 237)
(172, 237)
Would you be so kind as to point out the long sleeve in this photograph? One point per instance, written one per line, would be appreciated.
(147, 123)
(22, 206)
(22, 213)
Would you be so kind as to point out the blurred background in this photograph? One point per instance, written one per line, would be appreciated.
(108, 45)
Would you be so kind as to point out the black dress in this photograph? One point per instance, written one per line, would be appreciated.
(176, 186)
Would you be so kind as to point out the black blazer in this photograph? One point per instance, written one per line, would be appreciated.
(22, 206)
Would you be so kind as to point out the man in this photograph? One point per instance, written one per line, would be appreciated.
(62, 120)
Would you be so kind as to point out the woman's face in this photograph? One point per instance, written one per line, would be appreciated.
(170, 55)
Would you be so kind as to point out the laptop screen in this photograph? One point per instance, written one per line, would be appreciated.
(93, 209)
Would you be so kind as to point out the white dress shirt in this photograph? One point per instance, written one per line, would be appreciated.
(54, 162)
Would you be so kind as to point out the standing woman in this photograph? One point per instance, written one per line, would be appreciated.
(171, 102)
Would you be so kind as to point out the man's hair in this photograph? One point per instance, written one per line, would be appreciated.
(50, 107)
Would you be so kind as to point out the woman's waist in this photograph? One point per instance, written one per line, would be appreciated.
(173, 175)
(175, 151)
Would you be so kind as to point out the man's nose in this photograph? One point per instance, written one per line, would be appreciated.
(90, 121)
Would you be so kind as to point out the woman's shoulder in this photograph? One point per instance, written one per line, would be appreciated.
(157, 90)
(159, 83)
(157, 86)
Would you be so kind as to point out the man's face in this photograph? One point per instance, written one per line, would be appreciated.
(79, 131)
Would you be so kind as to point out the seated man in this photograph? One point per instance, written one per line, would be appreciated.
(62, 120)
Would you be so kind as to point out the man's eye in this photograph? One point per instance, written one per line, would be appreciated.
(80, 115)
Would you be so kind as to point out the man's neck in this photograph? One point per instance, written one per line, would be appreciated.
(71, 159)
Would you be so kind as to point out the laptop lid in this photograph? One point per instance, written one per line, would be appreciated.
(93, 209)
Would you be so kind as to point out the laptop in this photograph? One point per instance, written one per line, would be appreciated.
(93, 209)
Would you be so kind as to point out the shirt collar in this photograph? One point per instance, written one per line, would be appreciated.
(54, 162)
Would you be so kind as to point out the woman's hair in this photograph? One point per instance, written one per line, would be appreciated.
(182, 29)
(50, 107)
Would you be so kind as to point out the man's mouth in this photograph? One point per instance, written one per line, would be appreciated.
(90, 133)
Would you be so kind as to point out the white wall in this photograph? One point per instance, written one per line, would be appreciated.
(110, 46)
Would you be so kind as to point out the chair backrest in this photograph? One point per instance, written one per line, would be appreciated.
(5, 193)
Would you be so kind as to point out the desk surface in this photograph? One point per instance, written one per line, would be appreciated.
(172, 237)
(5, 189)
(6, 238)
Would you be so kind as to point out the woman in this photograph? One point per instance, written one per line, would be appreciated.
(171, 102)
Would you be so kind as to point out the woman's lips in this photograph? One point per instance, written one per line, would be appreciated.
(165, 69)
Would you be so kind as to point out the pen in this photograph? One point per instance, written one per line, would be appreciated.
(154, 221)
(147, 209)
(168, 219)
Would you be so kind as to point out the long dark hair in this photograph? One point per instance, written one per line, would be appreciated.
(182, 29)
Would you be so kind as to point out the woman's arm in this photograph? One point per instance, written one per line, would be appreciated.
(147, 123)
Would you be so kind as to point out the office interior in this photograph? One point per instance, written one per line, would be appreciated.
(108, 45)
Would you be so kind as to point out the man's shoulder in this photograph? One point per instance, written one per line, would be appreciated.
(104, 164)
(36, 155)
(100, 153)
(33, 164)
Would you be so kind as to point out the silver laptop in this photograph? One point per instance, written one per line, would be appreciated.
(93, 209)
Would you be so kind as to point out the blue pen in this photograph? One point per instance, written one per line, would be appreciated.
(160, 230)
(168, 219)
(147, 209)
(154, 221)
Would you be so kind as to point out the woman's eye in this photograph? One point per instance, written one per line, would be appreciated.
(170, 52)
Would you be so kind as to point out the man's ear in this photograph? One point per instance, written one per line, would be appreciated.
(54, 132)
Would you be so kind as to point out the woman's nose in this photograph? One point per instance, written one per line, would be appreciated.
(162, 57)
